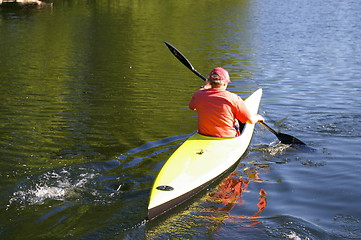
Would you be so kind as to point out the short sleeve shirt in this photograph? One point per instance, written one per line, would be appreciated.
(218, 111)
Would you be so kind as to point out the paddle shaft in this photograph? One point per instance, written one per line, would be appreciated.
(269, 128)
(284, 138)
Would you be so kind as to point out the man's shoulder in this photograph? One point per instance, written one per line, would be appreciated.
(231, 94)
(200, 91)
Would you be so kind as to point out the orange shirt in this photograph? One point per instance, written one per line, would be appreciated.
(218, 111)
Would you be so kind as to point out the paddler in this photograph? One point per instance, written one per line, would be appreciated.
(218, 109)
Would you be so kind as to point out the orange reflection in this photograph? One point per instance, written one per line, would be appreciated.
(229, 193)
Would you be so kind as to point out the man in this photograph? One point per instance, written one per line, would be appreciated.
(218, 109)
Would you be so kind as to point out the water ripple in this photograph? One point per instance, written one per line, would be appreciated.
(293, 228)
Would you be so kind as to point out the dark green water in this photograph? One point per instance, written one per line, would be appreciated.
(92, 104)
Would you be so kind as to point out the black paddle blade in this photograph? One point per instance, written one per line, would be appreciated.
(288, 139)
(183, 59)
(284, 138)
(179, 55)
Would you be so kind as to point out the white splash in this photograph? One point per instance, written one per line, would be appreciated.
(51, 186)
(293, 236)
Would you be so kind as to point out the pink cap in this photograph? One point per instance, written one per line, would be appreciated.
(218, 74)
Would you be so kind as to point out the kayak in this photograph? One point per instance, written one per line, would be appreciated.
(198, 162)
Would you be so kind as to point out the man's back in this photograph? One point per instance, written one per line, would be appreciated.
(218, 111)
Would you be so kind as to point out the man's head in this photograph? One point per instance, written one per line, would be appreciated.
(218, 76)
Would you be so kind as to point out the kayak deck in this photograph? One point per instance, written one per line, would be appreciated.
(198, 162)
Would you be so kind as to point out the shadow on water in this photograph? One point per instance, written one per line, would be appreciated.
(148, 146)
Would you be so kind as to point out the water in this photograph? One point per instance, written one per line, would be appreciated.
(93, 103)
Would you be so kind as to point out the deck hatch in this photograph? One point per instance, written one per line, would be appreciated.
(165, 188)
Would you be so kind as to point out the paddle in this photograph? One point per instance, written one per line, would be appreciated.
(284, 138)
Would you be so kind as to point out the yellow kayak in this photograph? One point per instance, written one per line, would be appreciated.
(197, 163)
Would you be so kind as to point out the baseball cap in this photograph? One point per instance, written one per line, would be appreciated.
(218, 74)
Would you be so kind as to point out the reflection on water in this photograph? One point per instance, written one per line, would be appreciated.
(229, 193)
(215, 208)
(92, 104)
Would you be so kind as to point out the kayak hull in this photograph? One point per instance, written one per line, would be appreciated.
(197, 163)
